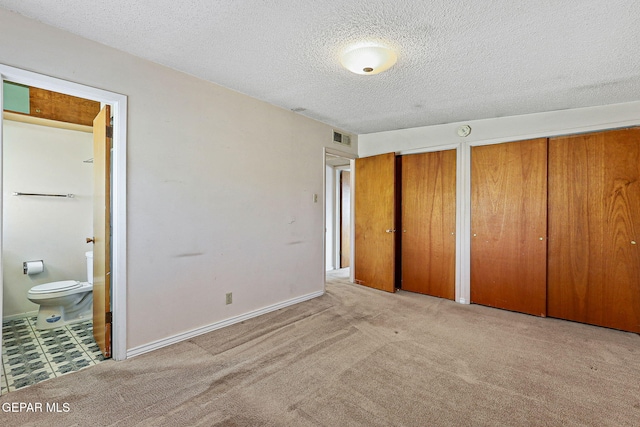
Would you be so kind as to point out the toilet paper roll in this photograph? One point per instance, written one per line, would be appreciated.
(33, 267)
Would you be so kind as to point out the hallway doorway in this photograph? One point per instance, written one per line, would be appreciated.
(338, 211)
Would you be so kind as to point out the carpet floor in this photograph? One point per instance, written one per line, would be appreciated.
(360, 357)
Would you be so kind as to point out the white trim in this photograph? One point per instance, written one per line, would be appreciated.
(155, 345)
(430, 149)
(463, 243)
(339, 153)
(118, 104)
(324, 219)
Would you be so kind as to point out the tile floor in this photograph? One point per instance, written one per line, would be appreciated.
(30, 356)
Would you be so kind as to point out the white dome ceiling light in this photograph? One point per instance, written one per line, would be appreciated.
(367, 60)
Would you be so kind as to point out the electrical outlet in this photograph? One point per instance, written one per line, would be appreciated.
(229, 298)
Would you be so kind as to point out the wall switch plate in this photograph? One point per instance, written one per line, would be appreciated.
(229, 297)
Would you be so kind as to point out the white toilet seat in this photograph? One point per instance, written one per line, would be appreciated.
(57, 289)
(61, 286)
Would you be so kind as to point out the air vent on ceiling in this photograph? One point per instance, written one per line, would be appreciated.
(340, 138)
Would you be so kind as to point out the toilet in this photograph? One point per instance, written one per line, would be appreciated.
(65, 302)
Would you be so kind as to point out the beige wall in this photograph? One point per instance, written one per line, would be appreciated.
(219, 186)
(41, 159)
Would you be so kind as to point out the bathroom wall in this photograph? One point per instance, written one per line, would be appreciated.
(40, 159)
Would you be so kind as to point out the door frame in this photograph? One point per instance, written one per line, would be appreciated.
(339, 173)
(118, 103)
(351, 156)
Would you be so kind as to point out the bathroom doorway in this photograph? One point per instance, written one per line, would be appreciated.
(338, 213)
(116, 296)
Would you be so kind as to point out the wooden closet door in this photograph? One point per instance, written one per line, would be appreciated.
(375, 218)
(428, 208)
(509, 226)
(594, 229)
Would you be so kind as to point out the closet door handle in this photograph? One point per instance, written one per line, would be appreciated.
(391, 231)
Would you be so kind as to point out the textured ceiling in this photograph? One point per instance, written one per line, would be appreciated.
(457, 59)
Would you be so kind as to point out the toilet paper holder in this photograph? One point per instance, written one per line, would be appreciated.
(33, 267)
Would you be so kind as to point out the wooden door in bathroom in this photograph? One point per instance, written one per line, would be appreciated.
(102, 231)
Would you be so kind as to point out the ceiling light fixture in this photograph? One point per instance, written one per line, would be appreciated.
(368, 60)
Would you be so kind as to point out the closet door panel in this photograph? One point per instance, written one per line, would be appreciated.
(509, 226)
(375, 216)
(594, 227)
(428, 189)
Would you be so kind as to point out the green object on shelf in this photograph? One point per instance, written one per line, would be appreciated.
(15, 98)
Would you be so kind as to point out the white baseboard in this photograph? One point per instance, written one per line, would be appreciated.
(20, 316)
(136, 351)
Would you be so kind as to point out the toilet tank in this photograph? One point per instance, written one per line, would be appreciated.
(89, 256)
